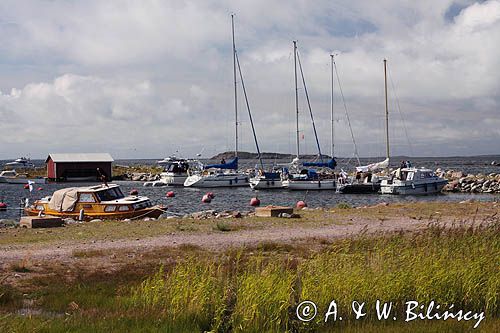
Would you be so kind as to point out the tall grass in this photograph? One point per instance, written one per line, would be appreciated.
(258, 293)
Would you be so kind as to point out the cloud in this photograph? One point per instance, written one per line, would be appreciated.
(143, 79)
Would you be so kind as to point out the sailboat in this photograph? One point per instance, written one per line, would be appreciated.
(224, 174)
(407, 179)
(366, 180)
(305, 175)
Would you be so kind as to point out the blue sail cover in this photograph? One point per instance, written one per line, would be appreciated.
(330, 164)
(233, 165)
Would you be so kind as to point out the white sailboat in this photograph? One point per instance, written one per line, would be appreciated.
(305, 176)
(223, 174)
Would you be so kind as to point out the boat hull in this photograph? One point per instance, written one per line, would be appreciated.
(218, 180)
(414, 188)
(23, 180)
(261, 183)
(310, 185)
(153, 212)
(364, 188)
(168, 180)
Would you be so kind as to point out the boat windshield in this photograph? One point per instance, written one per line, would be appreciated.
(110, 194)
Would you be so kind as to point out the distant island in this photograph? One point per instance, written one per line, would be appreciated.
(244, 155)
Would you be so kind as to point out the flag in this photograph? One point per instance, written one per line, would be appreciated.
(30, 184)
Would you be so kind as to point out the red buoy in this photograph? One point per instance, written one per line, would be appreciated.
(39, 189)
(3, 206)
(26, 186)
(206, 199)
(301, 204)
(255, 202)
(134, 192)
(170, 194)
(211, 195)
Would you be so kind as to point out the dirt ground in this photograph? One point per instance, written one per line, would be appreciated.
(314, 228)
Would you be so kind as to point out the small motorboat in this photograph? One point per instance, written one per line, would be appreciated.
(104, 201)
(412, 181)
(218, 175)
(12, 177)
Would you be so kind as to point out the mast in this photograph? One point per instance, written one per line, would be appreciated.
(331, 107)
(386, 112)
(249, 112)
(296, 94)
(310, 110)
(235, 91)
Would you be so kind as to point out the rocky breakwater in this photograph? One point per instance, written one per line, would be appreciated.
(459, 181)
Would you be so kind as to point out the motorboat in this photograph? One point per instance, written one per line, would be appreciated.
(105, 201)
(412, 181)
(175, 172)
(12, 177)
(21, 162)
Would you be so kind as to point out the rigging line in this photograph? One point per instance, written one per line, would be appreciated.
(400, 113)
(346, 113)
(309, 106)
(248, 108)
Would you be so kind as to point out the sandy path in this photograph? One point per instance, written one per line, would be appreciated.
(215, 240)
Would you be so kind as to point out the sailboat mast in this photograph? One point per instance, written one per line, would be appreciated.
(296, 94)
(331, 107)
(386, 112)
(235, 91)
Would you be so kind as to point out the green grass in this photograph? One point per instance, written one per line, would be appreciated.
(256, 289)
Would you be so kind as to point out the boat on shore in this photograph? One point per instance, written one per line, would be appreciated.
(105, 201)
(12, 177)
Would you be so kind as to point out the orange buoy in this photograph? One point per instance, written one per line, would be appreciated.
(170, 194)
(301, 204)
(134, 192)
(255, 202)
(3, 206)
(206, 199)
(211, 195)
(26, 186)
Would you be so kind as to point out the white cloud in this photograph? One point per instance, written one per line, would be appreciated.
(140, 78)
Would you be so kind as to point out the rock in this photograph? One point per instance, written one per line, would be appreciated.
(236, 214)
(96, 220)
(5, 223)
(127, 220)
(457, 174)
(285, 215)
(69, 220)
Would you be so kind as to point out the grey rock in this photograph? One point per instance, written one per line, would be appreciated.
(96, 220)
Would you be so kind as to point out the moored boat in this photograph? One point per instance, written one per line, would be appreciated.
(175, 172)
(412, 181)
(12, 177)
(104, 201)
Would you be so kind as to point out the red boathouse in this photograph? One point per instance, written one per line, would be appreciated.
(79, 167)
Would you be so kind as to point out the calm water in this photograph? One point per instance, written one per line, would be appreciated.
(188, 200)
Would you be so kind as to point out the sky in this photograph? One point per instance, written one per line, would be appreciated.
(146, 79)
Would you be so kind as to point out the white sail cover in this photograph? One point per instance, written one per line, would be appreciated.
(374, 166)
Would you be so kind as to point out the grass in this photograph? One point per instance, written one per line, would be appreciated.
(113, 230)
(256, 288)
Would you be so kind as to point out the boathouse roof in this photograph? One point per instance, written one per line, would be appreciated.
(81, 157)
